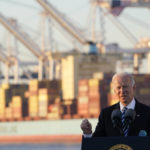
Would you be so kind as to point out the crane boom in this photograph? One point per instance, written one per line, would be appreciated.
(20, 35)
(135, 51)
(3, 58)
(123, 29)
(140, 3)
(68, 26)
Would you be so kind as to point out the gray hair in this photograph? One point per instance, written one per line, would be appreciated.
(124, 75)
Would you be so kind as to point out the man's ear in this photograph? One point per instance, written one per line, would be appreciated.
(134, 87)
(114, 90)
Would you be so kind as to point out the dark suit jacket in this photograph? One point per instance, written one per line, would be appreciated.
(141, 122)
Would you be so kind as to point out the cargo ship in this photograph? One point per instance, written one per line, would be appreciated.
(55, 107)
(55, 131)
(38, 113)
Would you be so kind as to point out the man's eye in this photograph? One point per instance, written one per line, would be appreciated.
(125, 86)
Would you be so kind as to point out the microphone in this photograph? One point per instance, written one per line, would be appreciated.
(116, 118)
(129, 116)
(142, 133)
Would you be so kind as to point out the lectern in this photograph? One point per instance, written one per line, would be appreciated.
(116, 143)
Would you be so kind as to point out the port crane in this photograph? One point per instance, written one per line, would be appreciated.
(111, 9)
(25, 39)
(68, 26)
(9, 61)
(105, 7)
(63, 22)
(117, 6)
(12, 61)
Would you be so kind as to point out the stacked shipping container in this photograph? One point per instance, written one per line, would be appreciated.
(3, 89)
(83, 99)
(142, 92)
(33, 98)
(44, 98)
(11, 102)
(92, 95)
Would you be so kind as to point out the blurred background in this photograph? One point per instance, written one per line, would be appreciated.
(57, 58)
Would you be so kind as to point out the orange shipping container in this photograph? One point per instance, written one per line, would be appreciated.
(82, 109)
(83, 100)
(83, 88)
(8, 113)
(33, 85)
(17, 112)
(93, 82)
(94, 108)
(83, 82)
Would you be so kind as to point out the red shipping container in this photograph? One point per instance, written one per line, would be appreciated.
(83, 82)
(83, 109)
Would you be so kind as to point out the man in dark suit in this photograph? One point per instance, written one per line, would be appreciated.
(124, 86)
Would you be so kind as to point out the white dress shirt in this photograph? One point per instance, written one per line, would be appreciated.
(131, 105)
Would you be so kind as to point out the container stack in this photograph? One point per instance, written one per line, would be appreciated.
(43, 102)
(83, 99)
(11, 102)
(54, 110)
(69, 85)
(42, 97)
(142, 91)
(2, 103)
(69, 108)
(94, 97)
(8, 112)
(105, 89)
(49, 101)
(33, 98)
(69, 77)
(17, 107)
(3, 96)
(18, 90)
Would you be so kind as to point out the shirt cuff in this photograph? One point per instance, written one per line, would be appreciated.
(87, 135)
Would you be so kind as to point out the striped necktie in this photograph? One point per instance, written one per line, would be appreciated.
(124, 126)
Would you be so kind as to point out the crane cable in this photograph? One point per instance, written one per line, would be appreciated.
(137, 21)
(122, 28)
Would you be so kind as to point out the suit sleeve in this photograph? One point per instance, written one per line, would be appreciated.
(100, 128)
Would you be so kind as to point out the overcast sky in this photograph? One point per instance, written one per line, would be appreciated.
(27, 13)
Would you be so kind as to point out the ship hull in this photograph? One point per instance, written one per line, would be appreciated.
(55, 131)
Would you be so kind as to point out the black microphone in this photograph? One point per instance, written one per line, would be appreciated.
(116, 118)
(129, 116)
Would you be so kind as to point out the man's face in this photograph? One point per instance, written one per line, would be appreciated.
(123, 89)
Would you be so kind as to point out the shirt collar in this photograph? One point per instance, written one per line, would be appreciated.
(131, 105)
